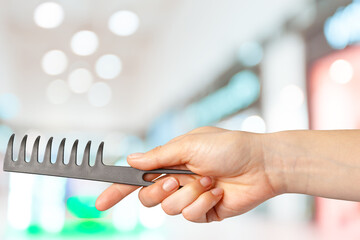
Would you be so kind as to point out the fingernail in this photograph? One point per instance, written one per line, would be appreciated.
(136, 156)
(217, 191)
(205, 182)
(170, 184)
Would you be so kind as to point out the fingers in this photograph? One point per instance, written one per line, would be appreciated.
(195, 200)
(113, 195)
(176, 202)
(170, 154)
(201, 210)
(156, 193)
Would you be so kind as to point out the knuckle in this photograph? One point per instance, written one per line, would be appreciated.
(156, 152)
(144, 200)
(157, 149)
(187, 215)
(148, 197)
(214, 218)
(168, 209)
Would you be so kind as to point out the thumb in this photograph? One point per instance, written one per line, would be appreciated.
(171, 154)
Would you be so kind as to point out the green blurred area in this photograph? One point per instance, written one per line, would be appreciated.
(78, 229)
(83, 207)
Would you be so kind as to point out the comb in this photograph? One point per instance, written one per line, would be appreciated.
(98, 172)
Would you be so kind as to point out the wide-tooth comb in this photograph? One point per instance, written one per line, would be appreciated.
(98, 172)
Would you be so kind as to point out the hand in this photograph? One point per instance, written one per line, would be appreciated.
(234, 173)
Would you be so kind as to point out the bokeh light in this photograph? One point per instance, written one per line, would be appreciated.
(151, 217)
(19, 210)
(250, 54)
(58, 92)
(99, 94)
(124, 23)
(292, 96)
(254, 124)
(125, 214)
(108, 66)
(48, 15)
(9, 106)
(341, 71)
(84, 43)
(54, 62)
(52, 212)
(80, 80)
(343, 28)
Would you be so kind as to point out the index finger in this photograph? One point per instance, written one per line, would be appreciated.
(112, 195)
(116, 192)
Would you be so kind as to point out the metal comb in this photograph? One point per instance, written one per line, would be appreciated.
(98, 172)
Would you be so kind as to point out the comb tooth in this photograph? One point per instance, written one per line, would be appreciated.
(22, 152)
(73, 155)
(60, 155)
(35, 152)
(99, 155)
(47, 155)
(86, 157)
(10, 149)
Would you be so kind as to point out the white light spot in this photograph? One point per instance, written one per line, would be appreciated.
(52, 211)
(124, 23)
(54, 62)
(49, 15)
(84, 43)
(20, 200)
(254, 124)
(58, 92)
(99, 94)
(108, 66)
(151, 217)
(125, 215)
(80, 80)
(341, 71)
(292, 97)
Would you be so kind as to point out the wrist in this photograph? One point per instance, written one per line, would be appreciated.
(286, 161)
(276, 162)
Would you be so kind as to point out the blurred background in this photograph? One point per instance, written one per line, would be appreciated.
(137, 73)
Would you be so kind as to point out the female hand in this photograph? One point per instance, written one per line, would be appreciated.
(235, 178)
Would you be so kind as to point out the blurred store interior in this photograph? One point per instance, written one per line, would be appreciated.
(137, 73)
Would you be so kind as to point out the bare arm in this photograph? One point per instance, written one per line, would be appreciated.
(319, 163)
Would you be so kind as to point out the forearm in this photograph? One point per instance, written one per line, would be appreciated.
(319, 163)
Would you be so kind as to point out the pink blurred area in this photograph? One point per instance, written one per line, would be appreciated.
(332, 106)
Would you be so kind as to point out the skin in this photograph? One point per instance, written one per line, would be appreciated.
(236, 171)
